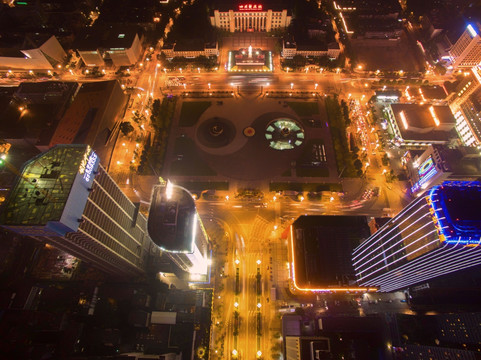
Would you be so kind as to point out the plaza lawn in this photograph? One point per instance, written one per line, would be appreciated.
(310, 163)
(188, 162)
(304, 108)
(191, 112)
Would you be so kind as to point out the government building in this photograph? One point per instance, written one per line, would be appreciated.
(250, 17)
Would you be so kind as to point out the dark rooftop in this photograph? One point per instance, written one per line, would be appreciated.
(322, 248)
(41, 193)
(421, 124)
(171, 223)
(107, 37)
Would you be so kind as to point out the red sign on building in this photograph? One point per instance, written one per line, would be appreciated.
(250, 7)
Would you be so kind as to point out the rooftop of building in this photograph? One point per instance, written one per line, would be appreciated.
(34, 110)
(424, 122)
(41, 192)
(433, 92)
(173, 221)
(91, 116)
(322, 248)
(464, 160)
(371, 6)
(189, 45)
(223, 5)
(456, 207)
(107, 36)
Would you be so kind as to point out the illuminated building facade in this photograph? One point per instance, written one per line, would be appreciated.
(420, 125)
(438, 163)
(250, 17)
(65, 198)
(250, 60)
(175, 226)
(466, 52)
(319, 253)
(465, 103)
(437, 234)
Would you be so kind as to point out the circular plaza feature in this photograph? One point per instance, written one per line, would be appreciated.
(249, 131)
(284, 134)
(216, 132)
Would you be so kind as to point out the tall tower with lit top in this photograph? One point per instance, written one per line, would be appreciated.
(437, 234)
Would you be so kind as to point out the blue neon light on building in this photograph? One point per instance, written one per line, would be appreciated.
(455, 225)
(435, 235)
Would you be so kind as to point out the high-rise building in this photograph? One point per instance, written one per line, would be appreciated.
(65, 198)
(175, 226)
(466, 52)
(465, 104)
(437, 234)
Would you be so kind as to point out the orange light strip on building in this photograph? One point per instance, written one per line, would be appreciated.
(422, 94)
(363, 289)
(433, 114)
(404, 120)
(345, 25)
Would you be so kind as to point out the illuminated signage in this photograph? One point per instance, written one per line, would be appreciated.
(471, 30)
(89, 168)
(426, 171)
(87, 164)
(250, 7)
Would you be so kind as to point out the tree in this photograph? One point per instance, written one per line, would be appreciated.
(126, 127)
(299, 61)
(358, 164)
(138, 117)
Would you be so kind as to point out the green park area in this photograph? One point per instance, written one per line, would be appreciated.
(337, 126)
(152, 158)
(188, 162)
(304, 108)
(191, 112)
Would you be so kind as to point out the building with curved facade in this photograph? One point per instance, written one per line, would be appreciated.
(175, 226)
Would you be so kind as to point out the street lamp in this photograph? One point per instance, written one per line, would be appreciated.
(236, 304)
(208, 85)
(237, 261)
(258, 262)
(180, 69)
(315, 86)
(292, 86)
(165, 70)
(259, 305)
(287, 69)
(198, 70)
